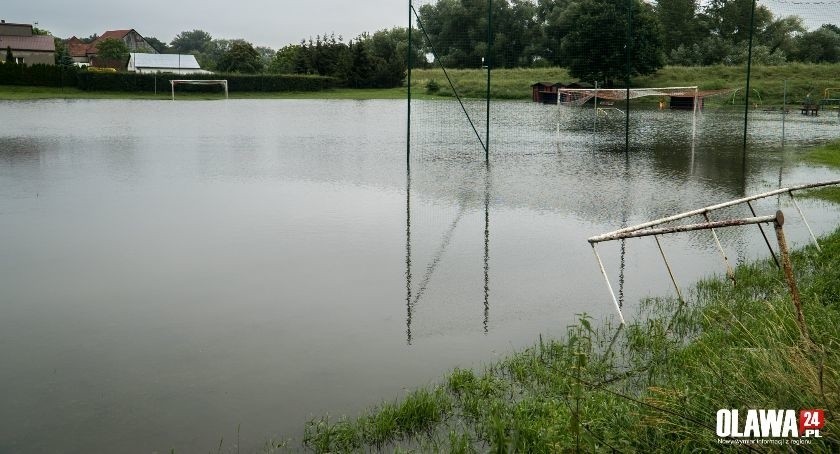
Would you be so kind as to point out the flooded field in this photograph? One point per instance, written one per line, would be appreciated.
(170, 272)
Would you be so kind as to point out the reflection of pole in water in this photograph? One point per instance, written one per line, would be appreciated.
(486, 249)
(447, 238)
(784, 114)
(408, 305)
(624, 208)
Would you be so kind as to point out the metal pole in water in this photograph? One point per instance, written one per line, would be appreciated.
(784, 112)
(489, 65)
(801, 214)
(609, 286)
(408, 114)
(729, 272)
(595, 121)
(629, 38)
(749, 68)
(668, 266)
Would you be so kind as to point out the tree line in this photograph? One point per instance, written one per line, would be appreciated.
(375, 60)
(589, 36)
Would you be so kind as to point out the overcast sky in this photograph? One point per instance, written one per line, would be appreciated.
(262, 22)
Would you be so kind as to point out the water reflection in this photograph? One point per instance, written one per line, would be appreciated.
(413, 297)
(486, 248)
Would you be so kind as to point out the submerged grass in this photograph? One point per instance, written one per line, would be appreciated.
(767, 85)
(654, 385)
(767, 82)
(825, 155)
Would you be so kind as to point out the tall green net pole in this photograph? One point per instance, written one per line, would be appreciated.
(408, 81)
(749, 69)
(627, 45)
(489, 64)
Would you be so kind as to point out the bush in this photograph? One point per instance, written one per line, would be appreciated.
(432, 86)
(62, 76)
(236, 82)
(37, 75)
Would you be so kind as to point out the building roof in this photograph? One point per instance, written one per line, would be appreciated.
(76, 48)
(40, 43)
(111, 34)
(163, 61)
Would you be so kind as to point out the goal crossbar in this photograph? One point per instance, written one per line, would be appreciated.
(222, 82)
(579, 96)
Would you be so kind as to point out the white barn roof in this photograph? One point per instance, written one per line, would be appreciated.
(163, 61)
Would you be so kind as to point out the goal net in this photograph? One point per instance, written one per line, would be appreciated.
(579, 96)
(222, 82)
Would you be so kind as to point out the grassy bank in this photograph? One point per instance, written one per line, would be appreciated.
(826, 155)
(767, 83)
(8, 92)
(654, 385)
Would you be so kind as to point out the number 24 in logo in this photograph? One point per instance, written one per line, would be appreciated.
(810, 422)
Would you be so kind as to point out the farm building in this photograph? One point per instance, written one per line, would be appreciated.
(26, 47)
(164, 63)
(84, 54)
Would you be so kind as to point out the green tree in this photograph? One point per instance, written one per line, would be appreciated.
(819, 46)
(266, 55)
(190, 42)
(679, 25)
(240, 57)
(284, 60)
(62, 57)
(112, 49)
(9, 57)
(780, 34)
(594, 47)
(160, 46)
(730, 19)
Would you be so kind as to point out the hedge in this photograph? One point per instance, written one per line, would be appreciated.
(236, 82)
(38, 75)
(58, 76)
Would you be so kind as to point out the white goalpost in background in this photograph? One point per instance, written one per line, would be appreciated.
(577, 97)
(222, 82)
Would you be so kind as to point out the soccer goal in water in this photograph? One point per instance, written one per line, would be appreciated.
(222, 82)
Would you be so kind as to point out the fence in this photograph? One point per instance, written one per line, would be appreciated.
(773, 62)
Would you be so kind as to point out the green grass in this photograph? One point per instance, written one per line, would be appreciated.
(8, 92)
(767, 85)
(767, 82)
(825, 155)
(654, 385)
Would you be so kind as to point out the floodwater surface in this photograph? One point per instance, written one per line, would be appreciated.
(174, 272)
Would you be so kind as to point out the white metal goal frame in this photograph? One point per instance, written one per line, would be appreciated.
(580, 96)
(222, 82)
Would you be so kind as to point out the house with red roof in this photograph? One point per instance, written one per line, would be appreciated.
(27, 48)
(84, 54)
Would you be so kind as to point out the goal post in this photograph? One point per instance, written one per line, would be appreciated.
(222, 82)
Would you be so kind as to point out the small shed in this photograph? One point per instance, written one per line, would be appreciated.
(545, 92)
